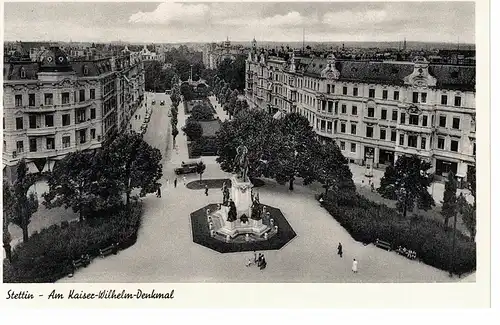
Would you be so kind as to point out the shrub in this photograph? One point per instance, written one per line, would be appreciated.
(193, 130)
(47, 256)
(202, 112)
(366, 221)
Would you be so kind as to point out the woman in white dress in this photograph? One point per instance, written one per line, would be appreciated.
(355, 266)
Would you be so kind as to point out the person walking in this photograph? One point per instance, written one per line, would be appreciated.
(354, 266)
(175, 182)
(339, 250)
(158, 192)
(372, 187)
(184, 179)
(263, 263)
(206, 190)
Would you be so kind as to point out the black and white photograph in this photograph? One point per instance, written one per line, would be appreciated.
(240, 142)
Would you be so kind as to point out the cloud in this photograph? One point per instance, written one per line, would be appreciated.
(290, 19)
(169, 12)
(352, 18)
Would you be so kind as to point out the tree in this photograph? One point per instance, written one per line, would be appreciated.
(257, 131)
(202, 112)
(193, 130)
(333, 170)
(408, 183)
(233, 98)
(175, 132)
(19, 206)
(137, 164)
(187, 91)
(296, 154)
(9, 208)
(468, 213)
(449, 208)
(200, 168)
(84, 181)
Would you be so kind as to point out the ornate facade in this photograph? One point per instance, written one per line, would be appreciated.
(55, 106)
(374, 111)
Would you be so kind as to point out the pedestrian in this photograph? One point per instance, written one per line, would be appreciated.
(254, 257)
(206, 190)
(184, 179)
(249, 262)
(175, 182)
(158, 193)
(354, 266)
(372, 187)
(339, 250)
(263, 263)
(362, 182)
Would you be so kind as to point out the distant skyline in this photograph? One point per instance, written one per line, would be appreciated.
(169, 22)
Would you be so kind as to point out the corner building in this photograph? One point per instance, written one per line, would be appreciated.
(52, 107)
(374, 111)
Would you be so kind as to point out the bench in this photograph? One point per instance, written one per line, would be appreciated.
(111, 249)
(383, 244)
(78, 263)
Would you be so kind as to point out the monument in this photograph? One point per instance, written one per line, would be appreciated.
(241, 211)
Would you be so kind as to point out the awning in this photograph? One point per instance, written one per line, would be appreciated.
(279, 115)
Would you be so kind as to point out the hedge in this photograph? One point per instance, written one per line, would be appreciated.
(47, 256)
(367, 221)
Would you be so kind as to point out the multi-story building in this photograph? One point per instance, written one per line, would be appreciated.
(374, 111)
(55, 106)
(214, 54)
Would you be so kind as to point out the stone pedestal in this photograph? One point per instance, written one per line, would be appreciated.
(241, 194)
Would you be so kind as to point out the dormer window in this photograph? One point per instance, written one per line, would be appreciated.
(23, 73)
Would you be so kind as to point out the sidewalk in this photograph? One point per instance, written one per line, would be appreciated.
(218, 108)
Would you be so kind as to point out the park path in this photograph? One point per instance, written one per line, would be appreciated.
(165, 252)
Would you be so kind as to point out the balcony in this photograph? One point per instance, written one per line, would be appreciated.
(41, 131)
(413, 151)
(414, 128)
(39, 109)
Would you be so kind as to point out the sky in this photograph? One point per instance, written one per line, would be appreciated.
(169, 22)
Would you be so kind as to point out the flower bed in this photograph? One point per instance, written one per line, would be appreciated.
(367, 221)
(47, 256)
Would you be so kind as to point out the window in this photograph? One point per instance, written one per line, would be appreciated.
(32, 120)
(458, 101)
(424, 120)
(383, 114)
(330, 107)
(355, 91)
(456, 123)
(344, 109)
(396, 95)
(371, 93)
(371, 111)
(369, 132)
(82, 95)
(344, 90)
(20, 146)
(329, 127)
(19, 123)
(441, 143)
(66, 141)
(353, 147)
(422, 143)
(353, 128)
(92, 93)
(454, 145)
(31, 100)
(403, 118)
(81, 115)
(50, 143)
(82, 134)
(92, 113)
(384, 94)
(382, 134)
(444, 100)
(65, 98)
(92, 133)
(32, 145)
(393, 135)
(415, 97)
(342, 127)
(48, 99)
(342, 145)
(394, 115)
(354, 110)
(423, 98)
(442, 121)
(65, 119)
(413, 119)
(49, 120)
(412, 141)
(19, 100)
(327, 89)
(401, 139)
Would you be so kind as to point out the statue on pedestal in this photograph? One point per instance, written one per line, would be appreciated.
(225, 194)
(232, 214)
(241, 163)
(256, 207)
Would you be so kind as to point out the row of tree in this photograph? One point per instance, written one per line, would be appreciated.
(283, 149)
(228, 98)
(233, 72)
(88, 182)
(175, 98)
